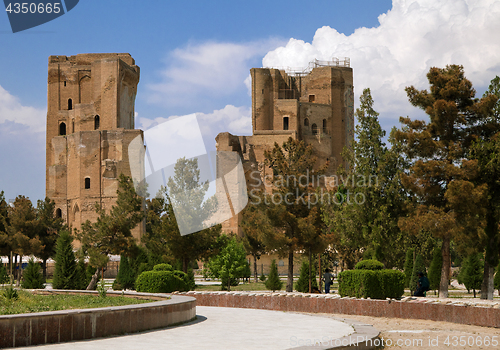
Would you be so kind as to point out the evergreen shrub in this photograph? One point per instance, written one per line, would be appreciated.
(32, 278)
(4, 276)
(302, 284)
(126, 275)
(163, 267)
(164, 281)
(369, 265)
(273, 281)
(378, 284)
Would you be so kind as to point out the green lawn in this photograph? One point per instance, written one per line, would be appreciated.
(27, 302)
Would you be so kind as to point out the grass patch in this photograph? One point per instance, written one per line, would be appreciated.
(29, 303)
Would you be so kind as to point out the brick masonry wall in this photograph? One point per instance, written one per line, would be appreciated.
(321, 303)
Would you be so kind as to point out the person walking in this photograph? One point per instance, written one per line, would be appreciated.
(328, 278)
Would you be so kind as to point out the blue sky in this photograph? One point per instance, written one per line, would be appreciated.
(195, 57)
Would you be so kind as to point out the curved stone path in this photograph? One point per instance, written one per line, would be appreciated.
(229, 328)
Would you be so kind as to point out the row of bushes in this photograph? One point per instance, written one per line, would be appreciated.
(370, 280)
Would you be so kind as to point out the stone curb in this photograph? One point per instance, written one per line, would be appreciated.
(484, 314)
(80, 324)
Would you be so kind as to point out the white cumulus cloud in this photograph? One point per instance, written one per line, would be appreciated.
(412, 37)
(208, 69)
(15, 117)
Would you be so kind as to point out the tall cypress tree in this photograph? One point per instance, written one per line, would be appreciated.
(417, 267)
(126, 275)
(408, 267)
(474, 272)
(65, 271)
(435, 268)
(273, 281)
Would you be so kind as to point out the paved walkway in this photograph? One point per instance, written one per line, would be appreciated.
(226, 328)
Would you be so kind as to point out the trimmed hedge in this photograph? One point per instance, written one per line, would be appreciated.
(379, 284)
(369, 265)
(163, 267)
(162, 282)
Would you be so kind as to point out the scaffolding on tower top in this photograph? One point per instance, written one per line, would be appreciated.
(335, 62)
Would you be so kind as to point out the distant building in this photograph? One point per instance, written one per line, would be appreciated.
(90, 123)
(315, 105)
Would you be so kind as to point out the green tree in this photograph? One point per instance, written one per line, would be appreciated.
(302, 284)
(111, 233)
(435, 268)
(82, 278)
(273, 281)
(65, 274)
(32, 278)
(4, 276)
(497, 279)
(487, 154)
(292, 217)
(23, 230)
(408, 267)
(254, 222)
(474, 272)
(48, 226)
(126, 275)
(371, 195)
(229, 264)
(186, 192)
(5, 239)
(447, 204)
(418, 266)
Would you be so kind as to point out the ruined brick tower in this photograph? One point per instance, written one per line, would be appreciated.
(90, 123)
(315, 105)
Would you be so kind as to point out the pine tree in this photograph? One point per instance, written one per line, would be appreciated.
(65, 271)
(417, 267)
(408, 267)
(448, 203)
(474, 272)
(435, 268)
(126, 275)
(32, 278)
(273, 281)
(302, 284)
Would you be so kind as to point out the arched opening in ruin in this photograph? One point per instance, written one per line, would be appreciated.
(314, 129)
(97, 122)
(70, 104)
(58, 213)
(285, 123)
(62, 128)
(87, 183)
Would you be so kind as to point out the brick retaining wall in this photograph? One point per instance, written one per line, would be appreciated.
(70, 325)
(320, 303)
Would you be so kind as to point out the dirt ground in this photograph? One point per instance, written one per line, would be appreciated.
(398, 333)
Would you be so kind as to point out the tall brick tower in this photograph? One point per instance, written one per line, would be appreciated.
(315, 105)
(90, 123)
